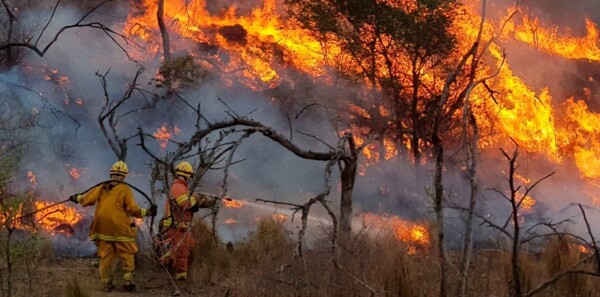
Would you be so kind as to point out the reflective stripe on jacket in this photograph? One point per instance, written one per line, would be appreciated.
(177, 207)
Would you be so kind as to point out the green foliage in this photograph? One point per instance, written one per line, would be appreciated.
(22, 249)
(8, 164)
(422, 31)
(179, 73)
(392, 45)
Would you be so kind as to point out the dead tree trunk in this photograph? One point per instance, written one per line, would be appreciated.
(472, 170)
(160, 14)
(438, 201)
(348, 176)
(516, 269)
(516, 198)
(414, 112)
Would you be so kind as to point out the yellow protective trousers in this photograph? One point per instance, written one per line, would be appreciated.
(108, 250)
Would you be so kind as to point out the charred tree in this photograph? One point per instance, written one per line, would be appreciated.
(164, 33)
(516, 198)
(348, 176)
(474, 192)
(516, 288)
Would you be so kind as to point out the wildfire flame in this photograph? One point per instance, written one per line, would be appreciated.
(245, 35)
(548, 40)
(164, 134)
(261, 44)
(74, 173)
(414, 235)
(233, 203)
(52, 218)
(230, 221)
(32, 178)
(59, 218)
(527, 203)
(280, 217)
(583, 249)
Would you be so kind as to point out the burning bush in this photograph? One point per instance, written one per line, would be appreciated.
(235, 33)
(179, 73)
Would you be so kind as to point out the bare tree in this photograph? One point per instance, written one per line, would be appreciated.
(160, 17)
(10, 43)
(512, 227)
(346, 153)
(516, 199)
(113, 111)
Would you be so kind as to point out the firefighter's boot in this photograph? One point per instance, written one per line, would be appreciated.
(108, 287)
(128, 286)
(181, 277)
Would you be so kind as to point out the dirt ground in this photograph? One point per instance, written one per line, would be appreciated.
(151, 280)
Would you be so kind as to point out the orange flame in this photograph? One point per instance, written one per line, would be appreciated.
(414, 235)
(32, 178)
(58, 218)
(548, 40)
(280, 217)
(230, 221)
(233, 203)
(258, 42)
(583, 249)
(164, 134)
(262, 43)
(52, 218)
(527, 203)
(74, 172)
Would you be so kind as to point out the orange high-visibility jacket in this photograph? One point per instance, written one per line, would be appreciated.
(182, 201)
(115, 204)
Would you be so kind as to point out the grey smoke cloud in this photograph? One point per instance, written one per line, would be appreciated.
(268, 171)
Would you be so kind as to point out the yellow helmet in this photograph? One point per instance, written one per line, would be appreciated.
(184, 169)
(119, 168)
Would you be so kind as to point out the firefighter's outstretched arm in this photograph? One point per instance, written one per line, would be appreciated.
(88, 199)
(204, 200)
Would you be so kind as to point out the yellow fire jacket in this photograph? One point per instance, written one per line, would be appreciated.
(115, 204)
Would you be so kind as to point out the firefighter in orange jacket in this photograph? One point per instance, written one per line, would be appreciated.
(179, 212)
(111, 229)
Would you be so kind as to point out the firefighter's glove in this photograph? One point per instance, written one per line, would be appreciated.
(74, 198)
(195, 208)
(152, 210)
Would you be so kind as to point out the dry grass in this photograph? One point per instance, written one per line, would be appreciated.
(74, 289)
(383, 265)
(367, 263)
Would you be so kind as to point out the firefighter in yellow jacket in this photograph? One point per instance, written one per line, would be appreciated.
(111, 228)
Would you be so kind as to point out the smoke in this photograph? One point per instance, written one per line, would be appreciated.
(68, 134)
(567, 15)
(266, 170)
